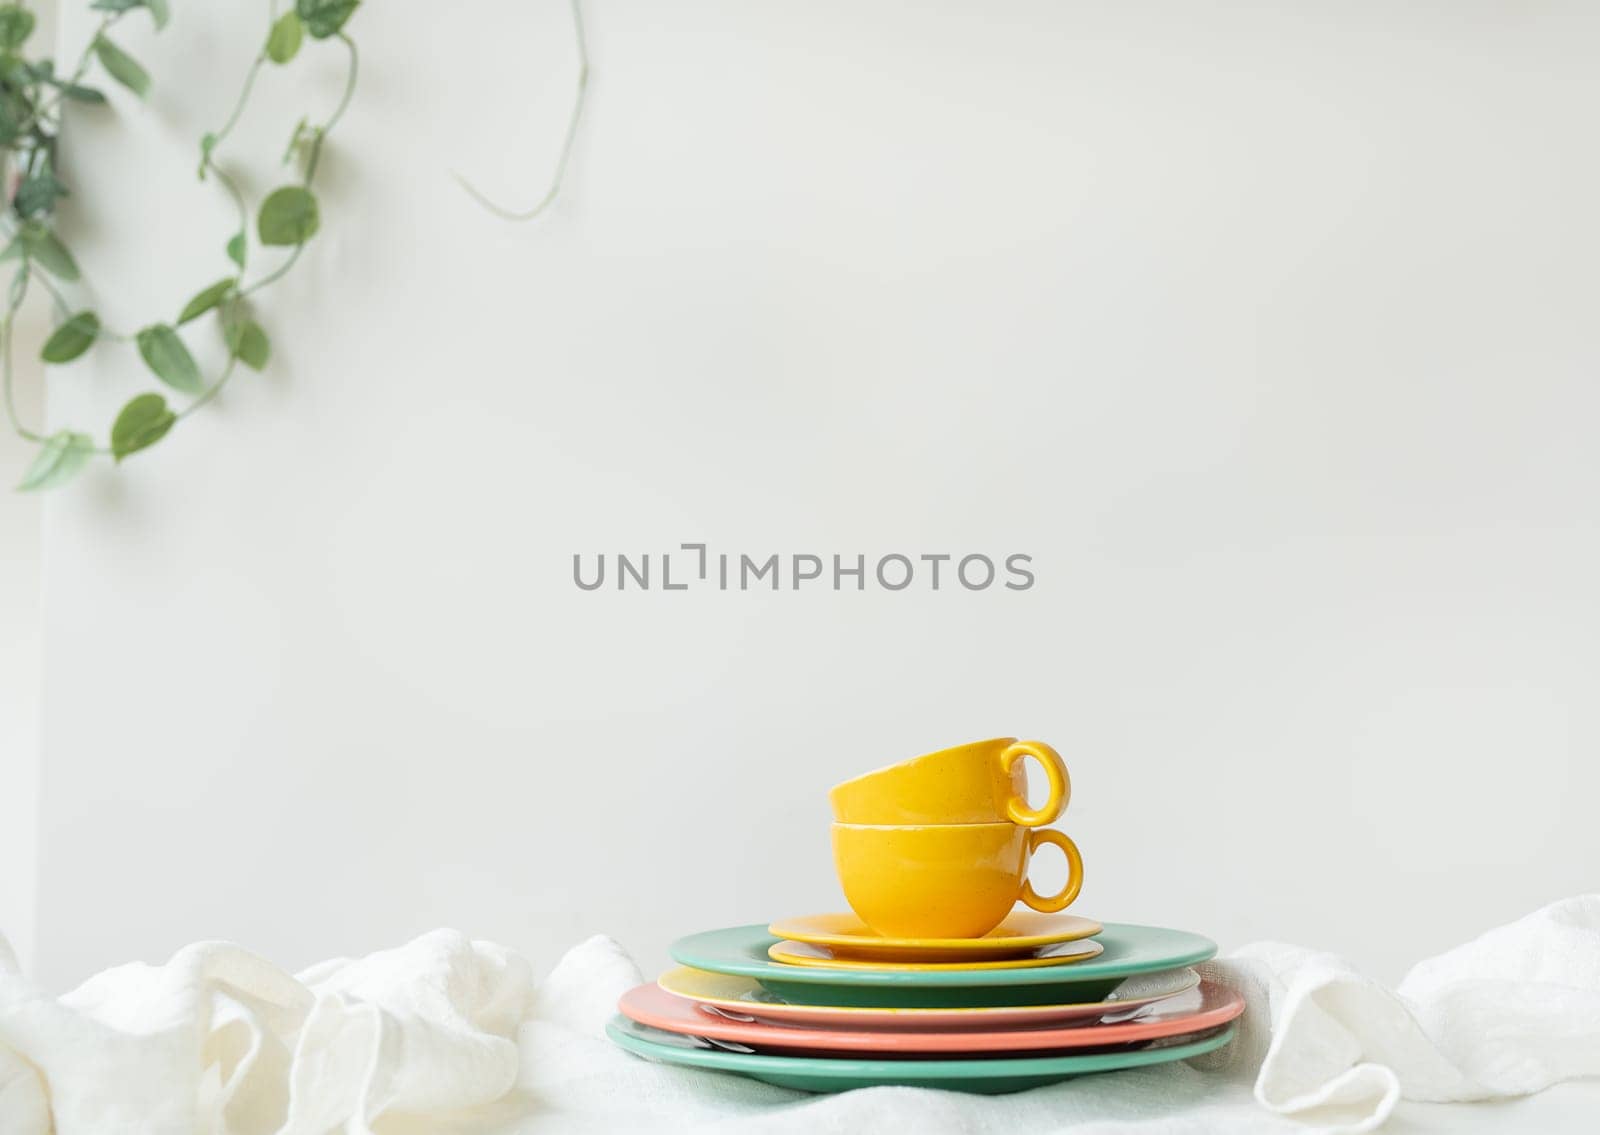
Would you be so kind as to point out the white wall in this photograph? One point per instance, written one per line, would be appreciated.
(1267, 329)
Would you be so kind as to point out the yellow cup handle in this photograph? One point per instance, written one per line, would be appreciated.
(1055, 770)
(1063, 898)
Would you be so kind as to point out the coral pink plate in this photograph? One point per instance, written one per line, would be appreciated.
(1204, 1008)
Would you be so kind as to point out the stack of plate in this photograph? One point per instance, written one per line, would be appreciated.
(824, 1004)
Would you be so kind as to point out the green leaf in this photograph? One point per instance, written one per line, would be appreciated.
(38, 193)
(71, 338)
(79, 93)
(323, 18)
(164, 353)
(144, 421)
(46, 250)
(44, 71)
(208, 142)
(60, 458)
(288, 216)
(16, 25)
(207, 299)
(248, 343)
(157, 9)
(15, 73)
(121, 66)
(236, 249)
(284, 39)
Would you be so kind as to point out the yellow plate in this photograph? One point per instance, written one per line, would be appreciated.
(1023, 932)
(746, 999)
(804, 954)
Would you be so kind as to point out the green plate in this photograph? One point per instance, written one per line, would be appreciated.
(1129, 950)
(990, 1075)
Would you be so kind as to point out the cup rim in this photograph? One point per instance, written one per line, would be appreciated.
(843, 784)
(927, 827)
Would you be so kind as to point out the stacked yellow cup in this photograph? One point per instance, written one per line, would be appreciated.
(939, 846)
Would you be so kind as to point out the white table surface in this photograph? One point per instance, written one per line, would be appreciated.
(1570, 1107)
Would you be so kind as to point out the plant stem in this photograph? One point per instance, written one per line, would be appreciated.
(276, 274)
(566, 143)
(18, 292)
(239, 203)
(46, 110)
(239, 104)
(338, 111)
(311, 163)
(213, 390)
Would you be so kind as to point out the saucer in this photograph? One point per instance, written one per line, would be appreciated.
(745, 998)
(1022, 932)
(990, 1075)
(804, 954)
(1205, 1008)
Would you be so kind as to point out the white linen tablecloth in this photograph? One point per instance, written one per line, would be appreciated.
(449, 1036)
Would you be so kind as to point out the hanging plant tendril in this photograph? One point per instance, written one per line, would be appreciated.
(560, 173)
(33, 98)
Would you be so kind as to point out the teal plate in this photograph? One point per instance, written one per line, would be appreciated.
(1129, 950)
(990, 1075)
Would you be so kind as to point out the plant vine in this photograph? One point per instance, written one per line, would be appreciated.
(33, 98)
(559, 175)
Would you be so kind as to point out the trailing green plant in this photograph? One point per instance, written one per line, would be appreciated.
(34, 97)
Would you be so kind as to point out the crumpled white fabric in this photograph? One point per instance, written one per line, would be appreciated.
(220, 1040)
(1507, 1014)
(449, 1036)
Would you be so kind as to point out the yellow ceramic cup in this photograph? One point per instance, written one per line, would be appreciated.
(945, 880)
(981, 783)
